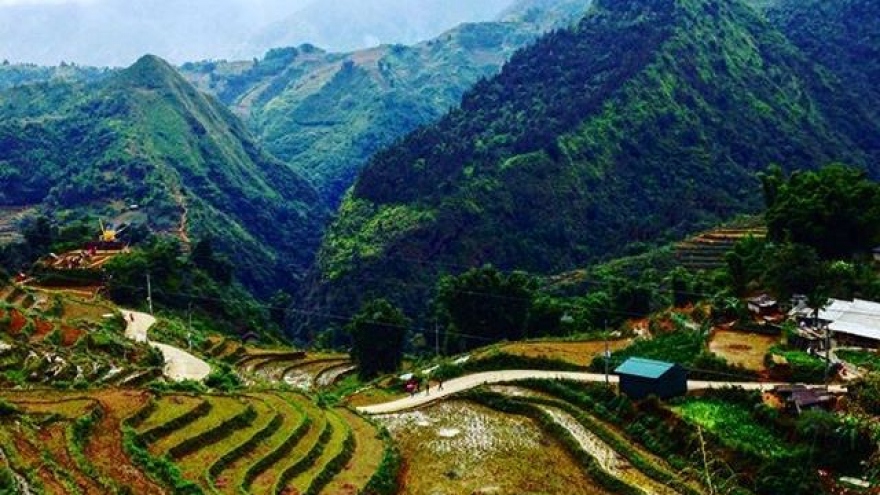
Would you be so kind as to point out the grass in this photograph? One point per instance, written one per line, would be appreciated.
(169, 408)
(232, 477)
(267, 479)
(734, 425)
(194, 466)
(862, 359)
(333, 448)
(223, 408)
(486, 455)
(369, 449)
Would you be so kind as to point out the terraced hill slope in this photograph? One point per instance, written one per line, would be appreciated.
(261, 442)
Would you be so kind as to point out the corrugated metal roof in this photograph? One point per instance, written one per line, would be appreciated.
(647, 368)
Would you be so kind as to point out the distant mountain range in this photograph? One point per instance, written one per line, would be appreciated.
(117, 32)
(648, 120)
(327, 113)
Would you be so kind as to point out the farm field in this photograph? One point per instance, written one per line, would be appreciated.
(741, 348)
(261, 442)
(578, 353)
(460, 447)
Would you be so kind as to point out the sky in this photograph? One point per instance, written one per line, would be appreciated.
(117, 32)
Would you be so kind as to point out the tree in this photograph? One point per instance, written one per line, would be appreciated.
(835, 210)
(378, 334)
(484, 305)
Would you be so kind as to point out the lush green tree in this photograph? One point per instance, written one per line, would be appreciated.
(835, 210)
(484, 305)
(794, 269)
(378, 334)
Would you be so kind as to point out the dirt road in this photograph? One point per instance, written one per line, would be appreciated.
(475, 380)
(179, 364)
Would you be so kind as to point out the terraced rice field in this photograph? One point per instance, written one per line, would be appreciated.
(460, 447)
(706, 251)
(259, 442)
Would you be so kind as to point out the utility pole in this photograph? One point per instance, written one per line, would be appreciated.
(189, 328)
(607, 354)
(436, 338)
(149, 293)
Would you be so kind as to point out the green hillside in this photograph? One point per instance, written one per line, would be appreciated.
(574, 154)
(146, 137)
(327, 113)
(840, 35)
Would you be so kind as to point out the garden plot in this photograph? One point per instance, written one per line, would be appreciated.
(458, 447)
(741, 348)
(579, 353)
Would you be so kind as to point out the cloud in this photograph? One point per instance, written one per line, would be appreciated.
(11, 3)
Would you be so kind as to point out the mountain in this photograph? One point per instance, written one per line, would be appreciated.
(327, 113)
(146, 137)
(646, 121)
(374, 23)
(840, 35)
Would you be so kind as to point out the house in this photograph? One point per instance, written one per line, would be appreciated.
(641, 377)
(855, 323)
(763, 305)
(799, 398)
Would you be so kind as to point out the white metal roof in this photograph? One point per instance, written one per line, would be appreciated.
(859, 317)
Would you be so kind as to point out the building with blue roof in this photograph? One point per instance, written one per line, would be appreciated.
(640, 377)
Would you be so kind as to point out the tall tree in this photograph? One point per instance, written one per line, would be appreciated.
(835, 210)
(484, 305)
(378, 334)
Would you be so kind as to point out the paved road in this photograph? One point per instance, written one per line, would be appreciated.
(473, 381)
(179, 364)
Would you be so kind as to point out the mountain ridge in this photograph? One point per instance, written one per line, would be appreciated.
(543, 169)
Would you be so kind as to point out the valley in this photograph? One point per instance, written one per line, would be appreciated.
(563, 247)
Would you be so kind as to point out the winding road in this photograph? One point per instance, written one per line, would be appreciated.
(179, 364)
(472, 381)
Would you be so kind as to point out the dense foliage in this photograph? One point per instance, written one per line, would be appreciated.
(378, 334)
(572, 154)
(145, 137)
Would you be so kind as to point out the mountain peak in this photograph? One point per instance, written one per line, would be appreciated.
(150, 72)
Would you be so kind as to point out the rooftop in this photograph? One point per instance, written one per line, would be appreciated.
(858, 317)
(647, 368)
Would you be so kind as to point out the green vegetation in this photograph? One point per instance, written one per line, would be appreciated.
(327, 113)
(145, 137)
(548, 170)
(378, 333)
(734, 425)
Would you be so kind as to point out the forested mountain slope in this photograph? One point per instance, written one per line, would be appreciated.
(327, 113)
(646, 121)
(843, 36)
(145, 136)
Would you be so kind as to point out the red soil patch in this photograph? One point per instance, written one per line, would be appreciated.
(42, 328)
(55, 441)
(104, 448)
(70, 335)
(17, 322)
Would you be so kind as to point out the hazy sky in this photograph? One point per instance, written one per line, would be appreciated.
(118, 32)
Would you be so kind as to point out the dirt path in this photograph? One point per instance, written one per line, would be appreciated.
(181, 230)
(472, 381)
(179, 364)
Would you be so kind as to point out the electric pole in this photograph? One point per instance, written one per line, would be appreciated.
(607, 354)
(149, 293)
(436, 338)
